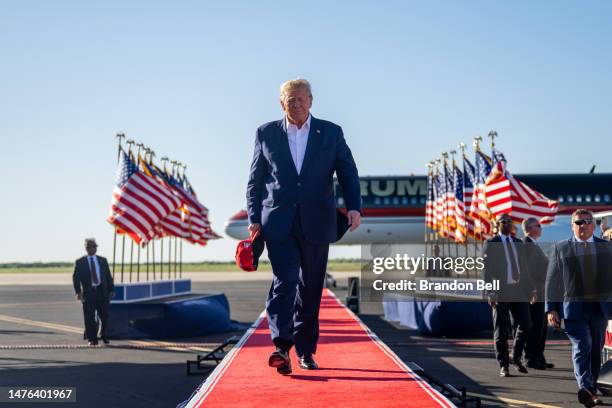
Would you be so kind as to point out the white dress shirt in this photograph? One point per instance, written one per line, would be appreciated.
(97, 266)
(298, 139)
(507, 241)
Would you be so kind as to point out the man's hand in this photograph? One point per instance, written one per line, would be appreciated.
(79, 297)
(253, 228)
(553, 319)
(354, 219)
(111, 295)
(533, 298)
(492, 302)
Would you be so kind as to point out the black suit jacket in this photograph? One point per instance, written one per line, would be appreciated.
(537, 264)
(496, 269)
(81, 278)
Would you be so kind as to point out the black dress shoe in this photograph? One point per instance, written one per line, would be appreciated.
(504, 372)
(92, 343)
(308, 363)
(280, 359)
(585, 398)
(536, 365)
(519, 366)
(549, 365)
(105, 340)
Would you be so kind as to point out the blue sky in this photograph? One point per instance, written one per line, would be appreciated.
(406, 80)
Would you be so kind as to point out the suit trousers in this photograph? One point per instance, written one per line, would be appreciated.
(96, 302)
(501, 328)
(587, 337)
(294, 299)
(534, 349)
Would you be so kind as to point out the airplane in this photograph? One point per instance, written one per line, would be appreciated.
(394, 206)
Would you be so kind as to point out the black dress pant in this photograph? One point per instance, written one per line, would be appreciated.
(502, 326)
(95, 301)
(534, 350)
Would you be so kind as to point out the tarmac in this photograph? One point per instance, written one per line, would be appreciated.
(41, 344)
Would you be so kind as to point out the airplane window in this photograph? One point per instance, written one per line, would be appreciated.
(587, 198)
(597, 198)
(386, 200)
(422, 200)
(377, 201)
(395, 200)
(570, 199)
(560, 199)
(578, 198)
(413, 200)
(404, 200)
(607, 198)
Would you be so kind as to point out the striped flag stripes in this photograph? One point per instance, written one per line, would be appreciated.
(138, 203)
(506, 194)
(461, 227)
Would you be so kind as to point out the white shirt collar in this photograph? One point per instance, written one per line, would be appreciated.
(576, 239)
(306, 124)
(505, 237)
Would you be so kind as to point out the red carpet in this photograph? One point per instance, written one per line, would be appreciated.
(357, 370)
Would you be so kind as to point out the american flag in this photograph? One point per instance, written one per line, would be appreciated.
(195, 202)
(478, 207)
(429, 204)
(506, 194)
(461, 229)
(186, 221)
(449, 209)
(138, 203)
(440, 203)
(468, 189)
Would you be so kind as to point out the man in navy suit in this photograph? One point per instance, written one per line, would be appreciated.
(290, 200)
(577, 287)
(93, 285)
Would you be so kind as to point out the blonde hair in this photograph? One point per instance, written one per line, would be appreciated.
(294, 85)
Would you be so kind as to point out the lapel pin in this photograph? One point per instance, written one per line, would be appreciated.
(318, 131)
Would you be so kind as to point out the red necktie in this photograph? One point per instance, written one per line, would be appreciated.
(92, 270)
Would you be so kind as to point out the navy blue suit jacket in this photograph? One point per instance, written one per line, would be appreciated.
(275, 189)
(564, 278)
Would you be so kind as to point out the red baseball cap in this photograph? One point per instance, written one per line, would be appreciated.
(248, 252)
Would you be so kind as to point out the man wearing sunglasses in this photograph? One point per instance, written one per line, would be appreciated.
(538, 263)
(577, 283)
(504, 261)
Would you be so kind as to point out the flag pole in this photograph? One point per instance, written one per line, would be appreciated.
(181, 260)
(119, 137)
(130, 142)
(151, 154)
(140, 146)
(445, 206)
(426, 226)
(467, 229)
(477, 236)
(161, 240)
(172, 239)
(492, 134)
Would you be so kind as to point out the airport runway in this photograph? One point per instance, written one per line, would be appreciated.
(41, 345)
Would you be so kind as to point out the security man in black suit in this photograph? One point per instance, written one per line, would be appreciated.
(537, 262)
(504, 261)
(93, 285)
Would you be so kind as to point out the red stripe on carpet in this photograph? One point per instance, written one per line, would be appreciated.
(356, 370)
